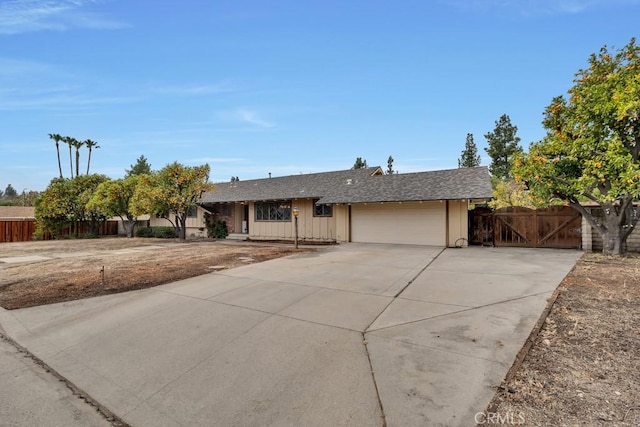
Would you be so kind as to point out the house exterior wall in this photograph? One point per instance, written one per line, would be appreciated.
(458, 223)
(343, 231)
(310, 228)
(195, 226)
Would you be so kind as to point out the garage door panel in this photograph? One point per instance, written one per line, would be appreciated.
(405, 223)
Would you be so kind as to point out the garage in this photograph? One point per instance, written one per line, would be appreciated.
(402, 223)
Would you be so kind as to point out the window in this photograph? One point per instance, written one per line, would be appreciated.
(322, 209)
(273, 211)
(192, 212)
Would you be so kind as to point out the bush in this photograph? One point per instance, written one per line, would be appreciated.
(144, 232)
(164, 232)
(158, 232)
(216, 229)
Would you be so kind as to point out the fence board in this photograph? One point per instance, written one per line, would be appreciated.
(23, 230)
(553, 227)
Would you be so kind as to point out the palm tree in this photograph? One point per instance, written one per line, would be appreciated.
(57, 138)
(77, 144)
(69, 141)
(90, 145)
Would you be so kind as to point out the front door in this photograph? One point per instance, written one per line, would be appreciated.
(245, 219)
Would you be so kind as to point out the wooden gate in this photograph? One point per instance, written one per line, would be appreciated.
(553, 227)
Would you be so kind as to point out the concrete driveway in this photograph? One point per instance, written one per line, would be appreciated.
(349, 335)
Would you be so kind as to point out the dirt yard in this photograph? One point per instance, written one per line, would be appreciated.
(584, 367)
(73, 269)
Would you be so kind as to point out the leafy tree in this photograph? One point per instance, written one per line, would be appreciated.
(503, 146)
(64, 203)
(390, 170)
(90, 145)
(171, 192)
(141, 167)
(114, 198)
(591, 152)
(469, 157)
(10, 192)
(54, 208)
(360, 163)
(508, 193)
(57, 138)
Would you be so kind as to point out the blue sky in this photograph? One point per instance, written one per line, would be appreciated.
(284, 86)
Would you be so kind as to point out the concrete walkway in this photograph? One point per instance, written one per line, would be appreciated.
(350, 335)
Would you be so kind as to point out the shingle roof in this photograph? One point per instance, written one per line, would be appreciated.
(359, 186)
(314, 185)
(451, 184)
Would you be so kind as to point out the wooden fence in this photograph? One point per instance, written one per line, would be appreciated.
(553, 227)
(23, 230)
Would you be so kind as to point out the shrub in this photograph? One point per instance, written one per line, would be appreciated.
(144, 232)
(216, 229)
(164, 232)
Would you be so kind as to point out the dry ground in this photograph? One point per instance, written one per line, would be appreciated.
(584, 367)
(74, 272)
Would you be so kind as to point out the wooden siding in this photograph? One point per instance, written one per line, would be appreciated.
(309, 227)
(458, 223)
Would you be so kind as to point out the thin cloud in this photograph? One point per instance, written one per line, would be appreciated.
(195, 90)
(537, 7)
(253, 118)
(21, 16)
(61, 101)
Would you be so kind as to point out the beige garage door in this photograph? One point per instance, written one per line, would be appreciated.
(403, 223)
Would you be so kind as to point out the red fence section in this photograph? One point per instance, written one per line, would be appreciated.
(22, 230)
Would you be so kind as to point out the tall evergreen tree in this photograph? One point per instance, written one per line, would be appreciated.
(360, 163)
(390, 170)
(469, 157)
(10, 192)
(141, 167)
(503, 145)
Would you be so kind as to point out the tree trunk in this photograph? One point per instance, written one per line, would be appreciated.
(89, 163)
(182, 231)
(77, 162)
(59, 164)
(70, 162)
(617, 224)
(129, 226)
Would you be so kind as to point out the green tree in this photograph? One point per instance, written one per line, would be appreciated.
(360, 163)
(171, 192)
(469, 157)
(54, 208)
(64, 203)
(507, 193)
(591, 152)
(57, 138)
(114, 198)
(90, 145)
(10, 192)
(503, 146)
(141, 167)
(390, 170)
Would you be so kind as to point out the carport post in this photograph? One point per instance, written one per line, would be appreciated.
(295, 218)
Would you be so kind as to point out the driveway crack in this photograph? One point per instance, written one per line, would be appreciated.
(375, 383)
